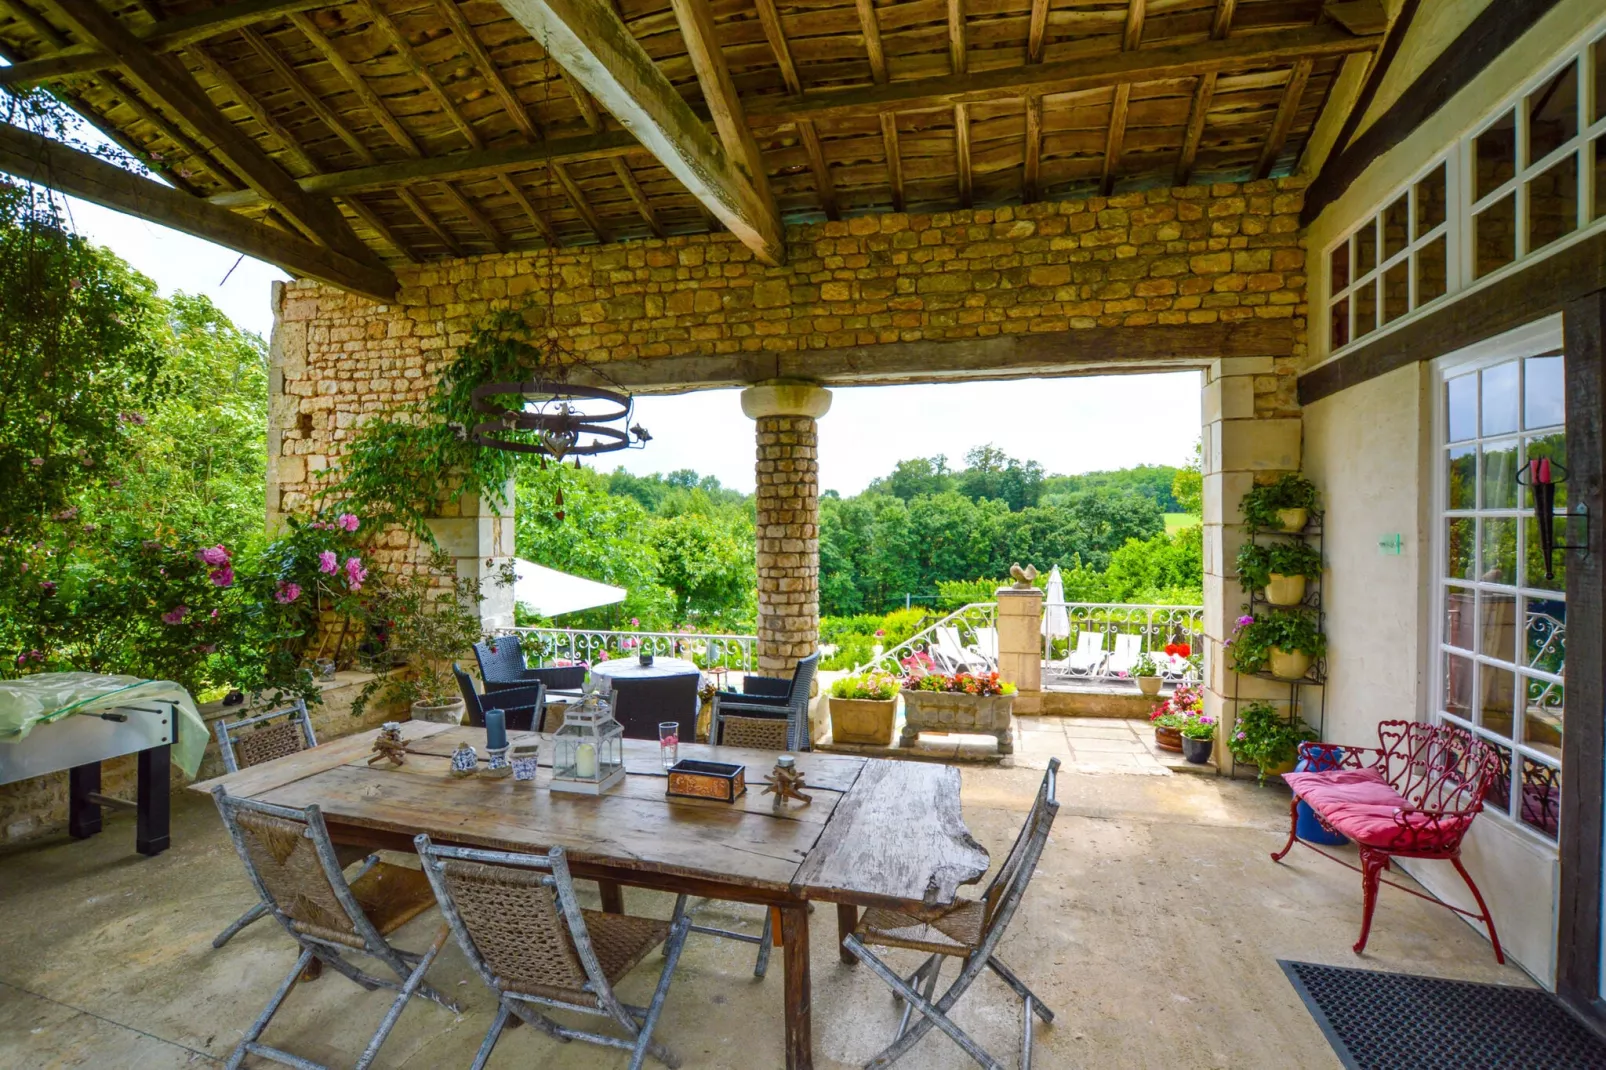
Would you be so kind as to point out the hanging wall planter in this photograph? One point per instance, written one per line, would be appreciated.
(1289, 664)
(1284, 505)
(1285, 590)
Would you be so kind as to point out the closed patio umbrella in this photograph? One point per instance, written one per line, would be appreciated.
(1056, 620)
(550, 593)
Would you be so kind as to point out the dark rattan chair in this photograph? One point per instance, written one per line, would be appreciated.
(523, 705)
(746, 718)
(971, 932)
(290, 858)
(520, 925)
(641, 704)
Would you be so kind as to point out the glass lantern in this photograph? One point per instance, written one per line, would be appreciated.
(588, 750)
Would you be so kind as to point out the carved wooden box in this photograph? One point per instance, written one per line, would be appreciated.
(721, 781)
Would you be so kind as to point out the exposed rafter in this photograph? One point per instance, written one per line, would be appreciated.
(889, 141)
(962, 153)
(464, 32)
(822, 170)
(1115, 137)
(578, 199)
(871, 28)
(957, 51)
(49, 163)
(1203, 91)
(587, 38)
(806, 132)
(1037, 31)
(1287, 109)
(1030, 189)
(622, 172)
(168, 35)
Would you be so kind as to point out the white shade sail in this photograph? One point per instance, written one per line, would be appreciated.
(550, 593)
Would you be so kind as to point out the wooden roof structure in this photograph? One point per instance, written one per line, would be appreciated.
(340, 138)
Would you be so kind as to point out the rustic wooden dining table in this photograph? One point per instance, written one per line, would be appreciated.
(877, 833)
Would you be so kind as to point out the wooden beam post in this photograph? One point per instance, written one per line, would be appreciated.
(1203, 91)
(588, 39)
(51, 164)
(1298, 79)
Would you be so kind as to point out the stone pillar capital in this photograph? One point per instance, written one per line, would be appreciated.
(786, 397)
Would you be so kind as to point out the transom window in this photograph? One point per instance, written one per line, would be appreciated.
(1531, 175)
(1502, 616)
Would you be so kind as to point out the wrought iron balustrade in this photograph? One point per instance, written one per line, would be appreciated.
(1070, 657)
(545, 645)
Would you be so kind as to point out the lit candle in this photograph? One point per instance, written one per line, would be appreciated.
(585, 760)
(495, 729)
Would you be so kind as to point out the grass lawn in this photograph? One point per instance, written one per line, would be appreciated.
(1175, 522)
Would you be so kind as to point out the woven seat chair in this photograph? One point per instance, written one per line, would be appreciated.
(259, 739)
(292, 861)
(971, 931)
(519, 923)
(501, 663)
(769, 713)
(523, 705)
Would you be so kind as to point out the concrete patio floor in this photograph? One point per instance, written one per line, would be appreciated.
(1153, 929)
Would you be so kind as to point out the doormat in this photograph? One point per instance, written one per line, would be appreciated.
(1399, 1021)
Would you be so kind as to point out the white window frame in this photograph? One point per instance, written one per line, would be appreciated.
(1460, 208)
(1540, 338)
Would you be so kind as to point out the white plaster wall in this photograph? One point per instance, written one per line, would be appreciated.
(1364, 450)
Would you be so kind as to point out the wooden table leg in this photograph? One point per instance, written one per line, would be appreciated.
(151, 832)
(799, 1008)
(613, 897)
(847, 919)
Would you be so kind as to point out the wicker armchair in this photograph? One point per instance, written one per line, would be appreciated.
(502, 667)
(524, 704)
(769, 714)
(1412, 796)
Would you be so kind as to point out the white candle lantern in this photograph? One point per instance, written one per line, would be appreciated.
(588, 750)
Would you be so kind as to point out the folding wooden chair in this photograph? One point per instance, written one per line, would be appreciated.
(292, 861)
(519, 923)
(259, 739)
(970, 931)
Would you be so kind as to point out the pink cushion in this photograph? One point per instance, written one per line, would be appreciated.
(1361, 804)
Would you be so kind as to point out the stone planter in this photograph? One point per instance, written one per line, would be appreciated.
(1197, 751)
(1149, 685)
(1168, 738)
(944, 711)
(450, 713)
(1289, 664)
(1285, 590)
(863, 720)
(1293, 520)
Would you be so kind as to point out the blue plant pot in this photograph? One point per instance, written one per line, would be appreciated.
(1307, 827)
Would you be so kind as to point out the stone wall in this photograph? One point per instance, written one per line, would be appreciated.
(787, 508)
(1198, 254)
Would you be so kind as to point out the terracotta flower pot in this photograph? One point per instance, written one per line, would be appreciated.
(450, 713)
(1293, 519)
(1285, 590)
(1168, 738)
(1197, 751)
(1149, 685)
(862, 720)
(1289, 664)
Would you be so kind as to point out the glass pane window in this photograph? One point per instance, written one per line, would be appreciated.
(1432, 280)
(1553, 114)
(1461, 492)
(1500, 475)
(1396, 227)
(1366, 248)
(1396, 291)
(1494, 236)
(1338, 267)
(1365, 297)
(1597, 54)
(1502, 398)
(1553, 203)
(1494, 155)
(1461, 399)
(1430, 200)
(1338, 320)
(1541, 797)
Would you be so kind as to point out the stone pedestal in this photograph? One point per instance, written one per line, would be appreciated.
(1020, 644)
(787, 524)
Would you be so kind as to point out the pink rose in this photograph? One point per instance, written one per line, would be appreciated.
(175, 615)
(287, 593)
(355, 573)
(328, 562)
(347, 521)
(216, 556)
(222, 577)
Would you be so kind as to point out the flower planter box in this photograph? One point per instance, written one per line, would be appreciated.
(1197, 751)
(1150, 685)
(1289, 664)
(948, 711)
(450, 713)
(863, 721)
(1293, 520)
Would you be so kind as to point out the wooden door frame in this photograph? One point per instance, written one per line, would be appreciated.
(1578, 951)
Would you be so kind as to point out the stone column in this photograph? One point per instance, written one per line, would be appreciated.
(788, 520)
(481, 544)
(1248, 433)
(1020, 645)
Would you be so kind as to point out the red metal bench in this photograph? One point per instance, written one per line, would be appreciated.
(1413, 796)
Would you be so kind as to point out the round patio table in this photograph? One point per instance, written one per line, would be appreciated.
(666, 690)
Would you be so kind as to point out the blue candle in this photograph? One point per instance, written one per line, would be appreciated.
(495, 728)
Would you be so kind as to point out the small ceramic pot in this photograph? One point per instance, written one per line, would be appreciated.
(1168, 738)
(1197, 751)
(1293, 519)
(465, 762)
(525, 760)
(1150, 685)
(1285, 590)
(1289, 664)
(496, 763)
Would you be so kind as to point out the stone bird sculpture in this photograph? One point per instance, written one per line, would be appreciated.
(1024, 577)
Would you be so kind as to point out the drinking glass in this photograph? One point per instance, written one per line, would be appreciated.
(669, 742)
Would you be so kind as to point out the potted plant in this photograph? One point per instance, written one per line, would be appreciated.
(1198, 737)
(1283, 505)
(434, 620)
(1262, 737)
(962, 702)
(1280, 569)
(864, 707)
(1282, 641)
(1169, 717)
(1147, 674)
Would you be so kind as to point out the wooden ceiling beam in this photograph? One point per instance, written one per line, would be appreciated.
(1191, 59)
(962, 153)
(1132, 36)
(1115, 136)
(578, 199)
(168, 35)
(464, 30)
(1287, 111)
(170, 85)
(1030, 190)
(1037, 31)
(28, 156)
(1204, 90)
(535, 215)
(622, 171)
(873, 48)
(770, 19)
(956, 36)
(821, 168)
(584, 102)
(806, 131)
(889, 140)
(587, 38)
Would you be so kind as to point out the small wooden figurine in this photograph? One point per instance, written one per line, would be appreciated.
(388, 745)
(785, 782)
